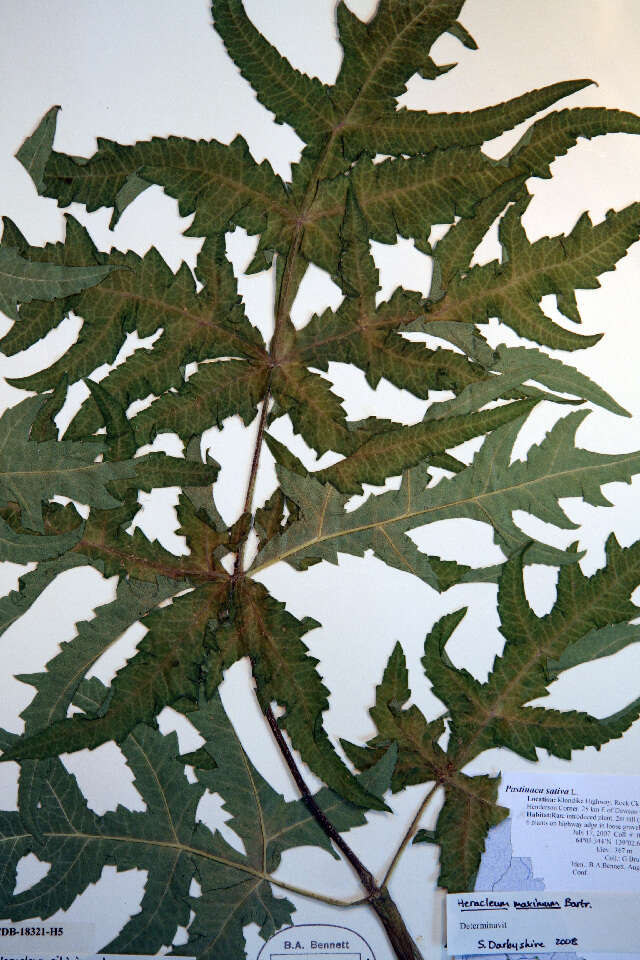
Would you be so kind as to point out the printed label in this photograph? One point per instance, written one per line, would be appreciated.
(38, 940)
(316, 941)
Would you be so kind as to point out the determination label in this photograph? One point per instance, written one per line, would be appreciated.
(548, 922)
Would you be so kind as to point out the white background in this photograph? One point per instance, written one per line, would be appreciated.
(130, 70)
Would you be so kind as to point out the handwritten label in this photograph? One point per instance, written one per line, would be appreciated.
(548, 921)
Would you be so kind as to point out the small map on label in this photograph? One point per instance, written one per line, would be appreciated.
(573, 833)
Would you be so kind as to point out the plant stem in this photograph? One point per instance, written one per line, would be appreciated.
(378, 897)
(238, 566)
(281, 312)
(404, 946)
(413, 826)
(365, 876)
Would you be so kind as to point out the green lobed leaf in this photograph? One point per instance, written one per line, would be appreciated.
(380, 56)
(166, 669)
(495, 713)
(417, 131)
(514, 362)
(292, 96)
(394, 450)
(32, 472)
(315, 411)
(57, 685)
(512, 289)
(324, 529)
(36, 149)
(105, 543)
(166, 840)
(493, 488)
(598, 643)
(226, 905)
(470, 809)
(79, 845)
(268, 826)
(216, 391)
(470, 806)
(22, 546)
(419, 756)
(489, 491)
(149, 298)
(509, 370)
(368, 336)
(163, 833)
(32, 584)
(405, 196)
(37, 318)
(222, 184)
(22, 281)
(370, 339)
(554, 135)
(263, 630)
(452, 254)
(260, 815)
(68, 837)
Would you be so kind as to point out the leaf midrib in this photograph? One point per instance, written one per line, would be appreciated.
(356, 333)
(27, 278)
(173, 572)
(200, 320)
(309, 102)
(537, 654)
(408, 514)
(180, 847)
(507, 275)
(379, 63)
(160, 787)
(53, 471)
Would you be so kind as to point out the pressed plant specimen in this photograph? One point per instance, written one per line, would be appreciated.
(369, 172)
